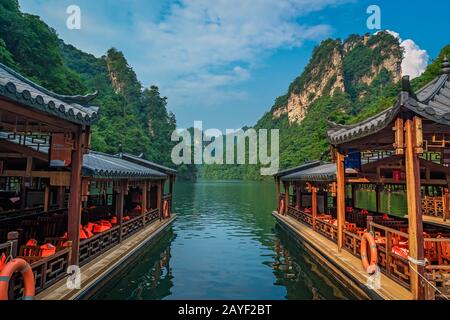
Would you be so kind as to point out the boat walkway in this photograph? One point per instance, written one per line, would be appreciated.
(98, 269)
(344, 265)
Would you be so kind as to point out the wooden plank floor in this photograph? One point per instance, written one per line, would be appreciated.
(348, 264)
(94, 271)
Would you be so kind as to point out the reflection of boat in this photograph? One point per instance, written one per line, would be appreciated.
(148, 276)
(300, 274)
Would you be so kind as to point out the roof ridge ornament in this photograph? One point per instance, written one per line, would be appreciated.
(406, 85)
(445, 66)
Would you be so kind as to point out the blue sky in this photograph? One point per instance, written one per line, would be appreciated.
(225, 61)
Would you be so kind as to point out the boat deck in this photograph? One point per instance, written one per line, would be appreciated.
(98, 269)
(344, 265)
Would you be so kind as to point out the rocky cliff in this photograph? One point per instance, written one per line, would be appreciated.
(349, 66)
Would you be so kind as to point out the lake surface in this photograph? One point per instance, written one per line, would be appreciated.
(224, 244)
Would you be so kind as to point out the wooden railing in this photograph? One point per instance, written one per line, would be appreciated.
(327, 229)
(352, 243)
(439, 274)
(152, 215)
(132, 226)
(15, 214)
(98, 244)
(102, 242)
(393, 265)
(47, 271)
(434, 207)
(300, 215)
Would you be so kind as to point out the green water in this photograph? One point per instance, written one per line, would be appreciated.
(224, 245)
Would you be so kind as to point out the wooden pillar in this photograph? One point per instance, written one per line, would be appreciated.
(172, 182)
(159, 198)
(325, 202)
(378, 198)
(314, 205)
(120, 196)
(144, 203)
(298, 196)
(415, 226)
(74, 211)
(340, 196)
(46, 198)
(447, 200)
(353, 195)
(25, 181)
(60, 197)
(286, 197)
(277, 192)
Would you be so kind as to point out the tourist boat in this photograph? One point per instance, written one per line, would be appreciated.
(62, 204)
(403, 147)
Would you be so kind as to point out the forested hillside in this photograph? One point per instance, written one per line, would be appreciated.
(133, 119)
(345, 82)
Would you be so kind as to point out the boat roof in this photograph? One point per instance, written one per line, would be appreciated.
(76, 109)
(102, 165)
(323, 172)
(301, 167)
(432, 102)
(149, 164)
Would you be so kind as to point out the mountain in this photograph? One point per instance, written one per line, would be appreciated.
(133, 119)
(345, 82)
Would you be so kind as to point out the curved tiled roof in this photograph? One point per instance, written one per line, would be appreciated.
(324, 172)
(101, 165)
(141, 161)
(301, 167)
(432, 102)
(24, 91)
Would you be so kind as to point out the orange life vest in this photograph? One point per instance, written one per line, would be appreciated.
(47, 250)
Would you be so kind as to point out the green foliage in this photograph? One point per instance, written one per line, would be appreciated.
(132, 120)
(6, 56)
(307, 140)
(35, 49)
(432, 71)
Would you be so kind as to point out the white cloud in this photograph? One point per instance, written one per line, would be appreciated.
(195, 50)
(210, 45)
(415, 60)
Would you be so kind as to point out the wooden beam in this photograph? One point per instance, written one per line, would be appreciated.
(286, 197)
(22, 150)
(74, 211)
(378, 198)
(277, 192)
(340, 197)
(120, 197)
(298, 197)
(27, 113)
(415, 225)
(159, 198)
(46, 198)
(60, 196)
(144, 198)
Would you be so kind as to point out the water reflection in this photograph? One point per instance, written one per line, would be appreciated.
(224, 245)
